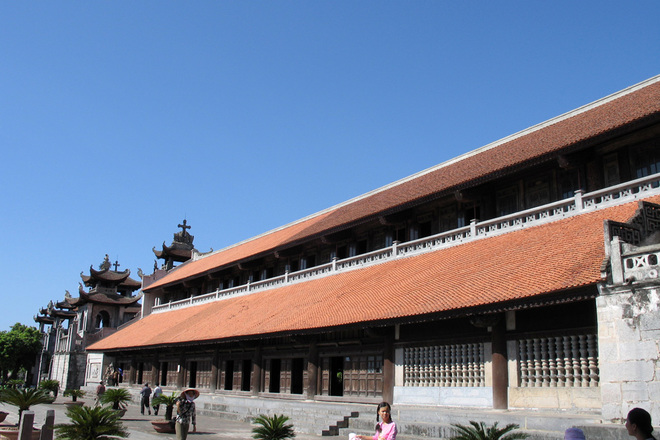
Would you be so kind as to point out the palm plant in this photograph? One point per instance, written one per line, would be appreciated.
(50, 385)
(168, 401)
(272, 428)
(117, 397)
(91, 423)
(479, 431)
(74, 394)
(23, 399)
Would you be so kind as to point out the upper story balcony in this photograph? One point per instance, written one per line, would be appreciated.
(578, 204)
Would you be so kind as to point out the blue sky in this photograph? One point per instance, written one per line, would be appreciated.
(118, 119)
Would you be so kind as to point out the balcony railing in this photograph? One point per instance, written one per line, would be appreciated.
(578, 204)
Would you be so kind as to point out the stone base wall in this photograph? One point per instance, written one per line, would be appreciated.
(477, 397)
(629, 348)
(581, 399)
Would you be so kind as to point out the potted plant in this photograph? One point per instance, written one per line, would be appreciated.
(22, 399)
(74, 394)
(91, 423)
(272, 428)
(479, 431)
(118, 398)
(50, 385)
(166, 425)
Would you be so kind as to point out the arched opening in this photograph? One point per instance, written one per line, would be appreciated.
(102, 319)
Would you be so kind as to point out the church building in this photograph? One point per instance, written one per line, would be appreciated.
(523, 274)
(69, 326)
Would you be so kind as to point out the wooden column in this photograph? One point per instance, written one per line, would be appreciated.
(155, 369)
(500, 367)
(312, 371)
(388, 366)
(214, 370)
(181, 377)
(132, 372)
(256, 371)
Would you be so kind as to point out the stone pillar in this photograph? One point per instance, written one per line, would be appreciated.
(500, 367)
(388, 366)
(47, 427)
(312, 371)
(25, 428)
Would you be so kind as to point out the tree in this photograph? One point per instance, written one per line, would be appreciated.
(479, 431)
(272, 428)
(19, 348)
(91, 423)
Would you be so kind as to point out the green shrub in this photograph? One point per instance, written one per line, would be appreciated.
(479, 431)
(272, 428)
(91, 423)
(74, 394)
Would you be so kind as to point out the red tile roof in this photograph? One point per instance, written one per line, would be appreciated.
(521, 264)
(611, 113)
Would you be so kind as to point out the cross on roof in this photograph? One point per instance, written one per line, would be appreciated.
(116, 265)
(183, 227)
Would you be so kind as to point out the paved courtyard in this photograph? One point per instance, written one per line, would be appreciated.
(139, 426)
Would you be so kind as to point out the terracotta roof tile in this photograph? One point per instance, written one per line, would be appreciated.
(545, 139)
(521, 264)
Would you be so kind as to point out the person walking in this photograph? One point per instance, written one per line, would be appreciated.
(185, 413)
(158, 391)
(100, 389)
(144, 401)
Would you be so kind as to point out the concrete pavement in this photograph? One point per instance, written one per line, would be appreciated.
(140, 428)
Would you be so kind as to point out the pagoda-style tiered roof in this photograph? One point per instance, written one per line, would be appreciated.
(102, 297)
(107, 278)
(181, 248)
(55, 311)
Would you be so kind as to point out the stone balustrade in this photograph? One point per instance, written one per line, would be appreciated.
(452, 365)
(578, 204)
(561, 361)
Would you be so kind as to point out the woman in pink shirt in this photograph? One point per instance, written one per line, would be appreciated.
(385, 427)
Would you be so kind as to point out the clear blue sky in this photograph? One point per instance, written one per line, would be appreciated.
(118, 119)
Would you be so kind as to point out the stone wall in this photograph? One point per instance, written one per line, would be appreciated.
(629, 348)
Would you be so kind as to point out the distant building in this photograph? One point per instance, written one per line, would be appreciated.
(523, 274)
(71, 325)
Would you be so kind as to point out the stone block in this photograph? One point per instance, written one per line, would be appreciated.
(634, 392)
(610, 392)
(654, 390)
(635, 371)
(608, 352)
(643, 350)
(650, 321)
(609, 371)
(612, 412)
(626, 331)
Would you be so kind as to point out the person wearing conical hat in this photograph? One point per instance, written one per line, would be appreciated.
(185, 413)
